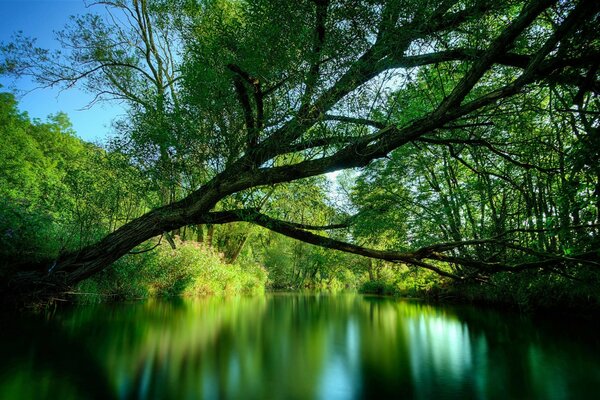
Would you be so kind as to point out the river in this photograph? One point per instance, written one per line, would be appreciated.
(294, 346)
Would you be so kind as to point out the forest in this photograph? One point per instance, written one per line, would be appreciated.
(445, 149)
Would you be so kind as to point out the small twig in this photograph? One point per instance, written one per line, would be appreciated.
(147, 250)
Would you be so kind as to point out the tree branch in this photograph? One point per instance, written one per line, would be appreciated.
(498, 47)
(253, 125)
(318, 43)
(354, 120)
(292, 230)
(486, 144)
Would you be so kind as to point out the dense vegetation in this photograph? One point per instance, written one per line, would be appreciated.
(60, 193)
(469, 132)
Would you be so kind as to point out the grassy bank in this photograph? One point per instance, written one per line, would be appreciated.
(189, 270)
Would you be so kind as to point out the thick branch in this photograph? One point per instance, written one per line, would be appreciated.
(253, 124)
(499, 46)
(433, 252)
(318, 43)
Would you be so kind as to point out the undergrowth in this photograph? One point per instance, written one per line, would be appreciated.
(189, 270)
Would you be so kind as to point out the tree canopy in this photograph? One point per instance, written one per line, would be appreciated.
(471, 125)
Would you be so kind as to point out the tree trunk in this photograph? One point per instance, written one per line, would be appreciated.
(51, 277)
(210, 231)
(199, 233)
(238, 249)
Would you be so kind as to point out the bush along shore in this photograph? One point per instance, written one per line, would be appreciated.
(188, 270)
(529, 293)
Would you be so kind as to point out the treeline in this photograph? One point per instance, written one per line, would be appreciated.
(509, 203)
(470, 132)
(60, 194)
(502, 202)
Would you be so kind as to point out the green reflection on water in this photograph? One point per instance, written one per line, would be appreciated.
(288, 346)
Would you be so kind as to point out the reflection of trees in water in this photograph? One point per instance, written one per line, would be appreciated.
(284, 346)
(479, 353)
(41, 360)
(159, 348)
(546, 356)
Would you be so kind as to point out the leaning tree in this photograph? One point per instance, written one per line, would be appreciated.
(229, 97)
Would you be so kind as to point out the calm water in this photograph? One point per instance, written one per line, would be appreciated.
(287, 346)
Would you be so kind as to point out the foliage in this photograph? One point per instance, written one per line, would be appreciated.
(59, 193)
(403, 281)
(27, 233)
(531, 292)
(472, 127)
(189, 270)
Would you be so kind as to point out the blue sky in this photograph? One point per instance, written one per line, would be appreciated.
(39, 19)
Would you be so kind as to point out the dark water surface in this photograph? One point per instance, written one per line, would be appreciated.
(288, 346)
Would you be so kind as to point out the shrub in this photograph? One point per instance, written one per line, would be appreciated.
(189, 270)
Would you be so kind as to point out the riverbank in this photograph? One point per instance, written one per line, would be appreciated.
(506, 293)
(189, 270)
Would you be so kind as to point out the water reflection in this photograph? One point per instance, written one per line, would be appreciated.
(292, 347)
